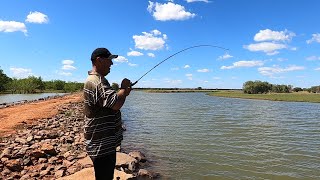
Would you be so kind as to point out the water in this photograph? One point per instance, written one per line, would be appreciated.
(9, 98)
(195, 136)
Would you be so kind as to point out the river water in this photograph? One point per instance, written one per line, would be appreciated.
(9, 98)
(195, 136)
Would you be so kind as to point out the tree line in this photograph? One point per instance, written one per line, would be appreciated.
(34, 84)
(259, 87)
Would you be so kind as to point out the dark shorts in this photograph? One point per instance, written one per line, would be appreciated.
(104, 166)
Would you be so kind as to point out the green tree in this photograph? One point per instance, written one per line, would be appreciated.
(73, 86)
(115, 86)
(49, 85)
(315, 89)
(259, 87)
(256, 87)
(13, 86)
(59, 84)
(4, 81)
(297, 89)
(248, 87)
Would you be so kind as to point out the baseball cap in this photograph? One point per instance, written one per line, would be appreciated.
(102, 52)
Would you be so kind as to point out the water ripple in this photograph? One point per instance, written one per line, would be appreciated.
(194, 136)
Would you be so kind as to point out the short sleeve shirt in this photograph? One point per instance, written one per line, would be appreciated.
(103, 125)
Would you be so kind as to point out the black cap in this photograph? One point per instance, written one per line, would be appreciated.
(102, 52)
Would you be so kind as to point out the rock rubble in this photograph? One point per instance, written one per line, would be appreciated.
(54, 147)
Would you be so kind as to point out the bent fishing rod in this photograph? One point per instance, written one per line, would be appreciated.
(204, 45)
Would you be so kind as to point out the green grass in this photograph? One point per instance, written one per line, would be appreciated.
(293, 97)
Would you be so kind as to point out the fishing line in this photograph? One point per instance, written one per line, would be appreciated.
(203, 45)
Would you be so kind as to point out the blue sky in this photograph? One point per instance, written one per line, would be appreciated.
(269, 40)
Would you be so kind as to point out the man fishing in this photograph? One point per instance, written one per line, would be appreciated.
(103, 125)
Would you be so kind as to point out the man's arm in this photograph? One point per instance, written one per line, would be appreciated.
(121, 99)
(122, 94)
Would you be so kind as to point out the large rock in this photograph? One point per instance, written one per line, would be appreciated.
(37, 154)
(120, 175)
(86, 162)
(48, 149)
(21, 140)
(59, 173)
(14, 165)
(6, 153)
(147, 174)
(88, 174)
(124, 159)
(138, 156)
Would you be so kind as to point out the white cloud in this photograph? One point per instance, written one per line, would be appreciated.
(315, 38)
(269, 48)
(317, 69)
(37, 17)
(173, 82)
(68, 65)
(269, 35)
(240, 64)
(168, 11)
(216, 78)
(134, 53)
(186, 66)
(120, 59)
(225, 56)
(131, 64)
(203, 70)
(150, 41)
(151, 55)
(191, 1)
(271, 71)
(12, 26)
(65, 73)
(156, 32)
(189, 76)
(21, 72)
(67, 62)
(312, 58)
(175, 69)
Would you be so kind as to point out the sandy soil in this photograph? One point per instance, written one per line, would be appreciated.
(12, 117)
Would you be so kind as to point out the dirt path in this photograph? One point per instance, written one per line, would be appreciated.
(13, 116)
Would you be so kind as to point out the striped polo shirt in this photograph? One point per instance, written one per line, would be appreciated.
(103, 125)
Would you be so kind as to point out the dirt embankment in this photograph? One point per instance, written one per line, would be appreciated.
(14, 116)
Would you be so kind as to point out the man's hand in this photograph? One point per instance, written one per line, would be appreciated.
(124, 91)
(126, 85)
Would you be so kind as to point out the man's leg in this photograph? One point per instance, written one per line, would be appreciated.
(104, 166)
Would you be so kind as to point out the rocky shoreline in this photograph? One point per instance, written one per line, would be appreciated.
(52, 148)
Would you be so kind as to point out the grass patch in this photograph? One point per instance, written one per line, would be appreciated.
(292, 97)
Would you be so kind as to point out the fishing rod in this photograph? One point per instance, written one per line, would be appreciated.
(204, 45)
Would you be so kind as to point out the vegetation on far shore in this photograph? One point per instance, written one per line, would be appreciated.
(34, 84)
(302, 96)
(256, 90)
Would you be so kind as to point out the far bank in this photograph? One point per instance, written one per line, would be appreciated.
(302, 96)
(290, 97)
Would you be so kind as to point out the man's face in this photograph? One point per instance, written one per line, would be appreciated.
(104, 65)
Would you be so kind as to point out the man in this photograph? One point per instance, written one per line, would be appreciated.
(103, 126)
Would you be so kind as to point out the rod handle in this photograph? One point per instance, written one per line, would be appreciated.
(132, 84)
